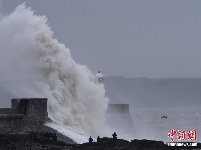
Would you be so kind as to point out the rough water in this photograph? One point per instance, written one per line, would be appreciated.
(34, 64)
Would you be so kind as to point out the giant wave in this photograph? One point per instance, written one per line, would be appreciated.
(34, 64)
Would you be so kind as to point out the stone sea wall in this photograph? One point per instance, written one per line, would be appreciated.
(25, 113)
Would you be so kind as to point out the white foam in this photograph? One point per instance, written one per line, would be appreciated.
(69, 132)
(33, 64)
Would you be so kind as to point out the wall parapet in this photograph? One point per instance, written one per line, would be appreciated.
(8, 111)
(25, 112)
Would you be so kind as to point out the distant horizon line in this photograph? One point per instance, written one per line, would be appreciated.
(154, 77)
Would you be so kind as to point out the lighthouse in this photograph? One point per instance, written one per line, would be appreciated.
(99, 78)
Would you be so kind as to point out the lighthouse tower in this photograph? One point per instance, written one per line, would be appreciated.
(99, 78)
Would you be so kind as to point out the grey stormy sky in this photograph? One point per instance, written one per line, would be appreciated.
(132, 38)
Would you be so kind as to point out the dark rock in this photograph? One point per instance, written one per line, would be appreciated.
(48, 141)
(22, 128)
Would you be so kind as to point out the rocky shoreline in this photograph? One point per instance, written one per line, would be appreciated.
(22, 128)
(34, 140)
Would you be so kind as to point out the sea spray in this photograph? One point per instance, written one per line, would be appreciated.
(33, 64)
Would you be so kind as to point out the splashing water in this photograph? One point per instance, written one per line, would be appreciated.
(33, 64)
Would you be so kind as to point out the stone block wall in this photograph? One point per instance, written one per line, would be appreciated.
(14, 103)
(11, 122)
(118, 108)
(8, 111)
(26, 113)
(33, 109)
(118, 117)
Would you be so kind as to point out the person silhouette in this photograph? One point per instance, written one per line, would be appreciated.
(114, 136)
(90, 140)
(98, 139)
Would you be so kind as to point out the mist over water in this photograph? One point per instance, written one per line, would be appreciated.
(33, 64)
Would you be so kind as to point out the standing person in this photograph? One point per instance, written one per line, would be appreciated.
(90, 140)
(114, 136)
